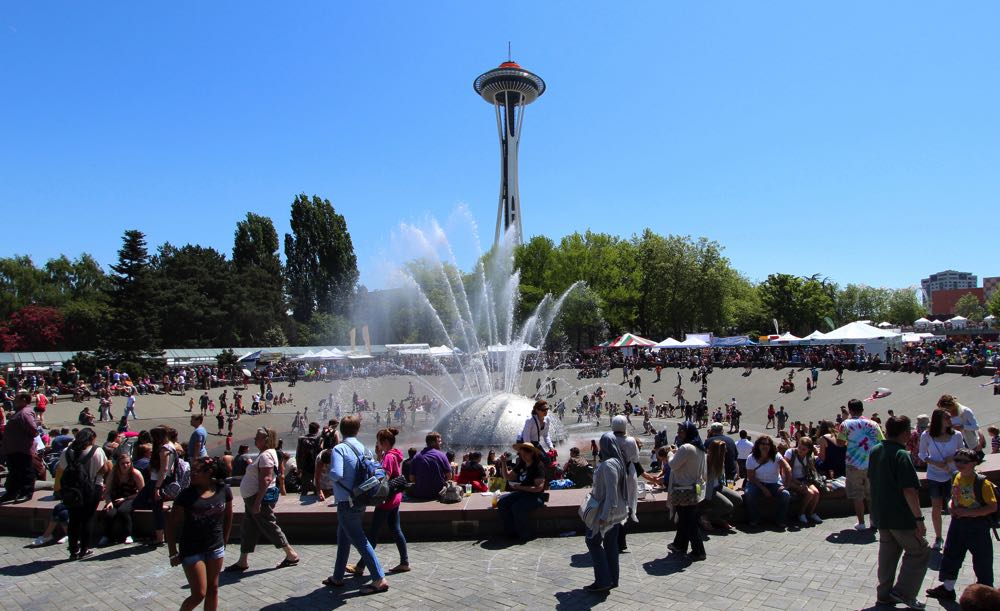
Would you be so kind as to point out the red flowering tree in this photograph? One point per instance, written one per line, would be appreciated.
(32, 328)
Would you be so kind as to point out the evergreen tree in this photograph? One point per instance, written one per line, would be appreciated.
(132, 332)
(321, 270)
(258, 281)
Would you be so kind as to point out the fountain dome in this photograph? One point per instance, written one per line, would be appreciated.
(493, 420)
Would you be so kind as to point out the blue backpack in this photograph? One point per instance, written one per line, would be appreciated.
(371, 486)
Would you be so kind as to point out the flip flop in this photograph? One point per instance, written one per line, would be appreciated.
(403, 568)
(286, 563)
(369, 589)
(330, 582)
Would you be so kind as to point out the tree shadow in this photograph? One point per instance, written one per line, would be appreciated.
(579, 599)
(852, 537)
(31, 568)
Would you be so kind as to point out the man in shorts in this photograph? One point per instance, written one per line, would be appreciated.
(860, 435)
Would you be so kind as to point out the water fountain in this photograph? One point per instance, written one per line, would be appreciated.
(477, 320)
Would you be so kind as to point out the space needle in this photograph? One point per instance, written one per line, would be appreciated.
(509, 88)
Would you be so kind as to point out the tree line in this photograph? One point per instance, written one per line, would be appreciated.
(189, 296)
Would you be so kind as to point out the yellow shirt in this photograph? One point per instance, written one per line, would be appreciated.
(963, 492)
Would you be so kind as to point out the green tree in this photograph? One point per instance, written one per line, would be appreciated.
(580, 321)
(321, 269)
(968, 306)
(799, 304)
(993, 305)
(258, 280)
(904, 307)
(194, 296)
(132, 332)
(21, 284)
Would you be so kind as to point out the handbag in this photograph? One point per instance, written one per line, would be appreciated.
(587, 511)
(272, 493)
(452, 492)
(683, 496)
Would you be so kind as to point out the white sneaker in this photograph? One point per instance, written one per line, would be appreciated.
(860, 526)
(128, 540)
(62, 540)
(803, 519)
(104, 541)
(40, 541)
(816, 519)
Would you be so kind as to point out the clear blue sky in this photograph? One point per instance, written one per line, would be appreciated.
(855, 139)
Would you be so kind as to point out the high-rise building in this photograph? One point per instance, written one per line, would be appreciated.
(947, 280)
(509, 88)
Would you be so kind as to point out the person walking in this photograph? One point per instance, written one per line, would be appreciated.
(388, 512)
(344, 462)
(937, 447)
(606, 510)
(896, 509)
(686, 489)
(973, 501)
(260, 483)
(91, 465)
(860, 436)
(201, 520)
(629, 450)
(18, 446)
(130, 404)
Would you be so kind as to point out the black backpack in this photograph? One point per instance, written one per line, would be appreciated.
(76, 487)
(994, 518)
(306, 452)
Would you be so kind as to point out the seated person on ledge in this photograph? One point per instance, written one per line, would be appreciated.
(429, 470)
(86, 418)
(473, 473)
(526, 481)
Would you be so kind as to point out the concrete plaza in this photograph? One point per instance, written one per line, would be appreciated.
(829, 566)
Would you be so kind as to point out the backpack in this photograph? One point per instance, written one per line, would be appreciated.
(306, 452)
(994, 518)
(178, 480)
(371, 485)
(76, 487)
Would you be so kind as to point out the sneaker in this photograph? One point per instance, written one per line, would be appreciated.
(803, 519)
(62, 540)
(40, 541)
(910, 604)
(941, 593)
(860, 526)
(104, 541)
(938, 543)
(673, 549)
(816, 519)
(693, 557)
(129, 540)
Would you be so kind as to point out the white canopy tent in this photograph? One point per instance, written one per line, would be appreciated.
(885, 325)
(814, 335)
(327, 354)
(692, 342)
(921, 322)
(958, 322)
(937, 323)
(785, 338)
(511, 348)
(872, 339)
(667, 343)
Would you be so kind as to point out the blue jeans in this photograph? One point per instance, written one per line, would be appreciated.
(350, 532)
(970, 535)
(604, 555)
(514, 510)
(753, 495)
(392, 517)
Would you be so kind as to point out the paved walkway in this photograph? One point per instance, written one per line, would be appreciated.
(824, 567)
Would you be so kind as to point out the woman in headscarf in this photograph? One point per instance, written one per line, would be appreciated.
(688, 467)
(604, 513)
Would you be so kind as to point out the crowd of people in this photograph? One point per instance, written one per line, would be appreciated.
(706, 480)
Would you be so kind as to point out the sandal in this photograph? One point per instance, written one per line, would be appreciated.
(403, 568)
(368, 589)
(235, 568)
(330, 582)
(287, 563)
(353, 570)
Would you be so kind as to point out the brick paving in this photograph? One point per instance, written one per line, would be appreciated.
(823, 567)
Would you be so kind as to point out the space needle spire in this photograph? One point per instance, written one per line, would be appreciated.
(509, 88)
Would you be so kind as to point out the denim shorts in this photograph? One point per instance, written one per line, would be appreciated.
(214, 554)
(939, 490)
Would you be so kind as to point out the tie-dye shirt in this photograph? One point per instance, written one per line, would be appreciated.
(862, 435)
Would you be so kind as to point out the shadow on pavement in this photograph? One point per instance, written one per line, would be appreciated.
(852, 537)
(320, 598)
(579, 599)
(581, 560)
(30, 568)
(666, 566)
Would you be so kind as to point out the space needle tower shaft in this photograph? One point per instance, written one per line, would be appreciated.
(509, 88)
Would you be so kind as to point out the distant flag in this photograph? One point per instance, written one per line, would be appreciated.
(368, 340)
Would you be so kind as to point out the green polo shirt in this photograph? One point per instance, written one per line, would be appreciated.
(890, 469)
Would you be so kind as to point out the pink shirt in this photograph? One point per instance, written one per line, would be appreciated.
(392, 462)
